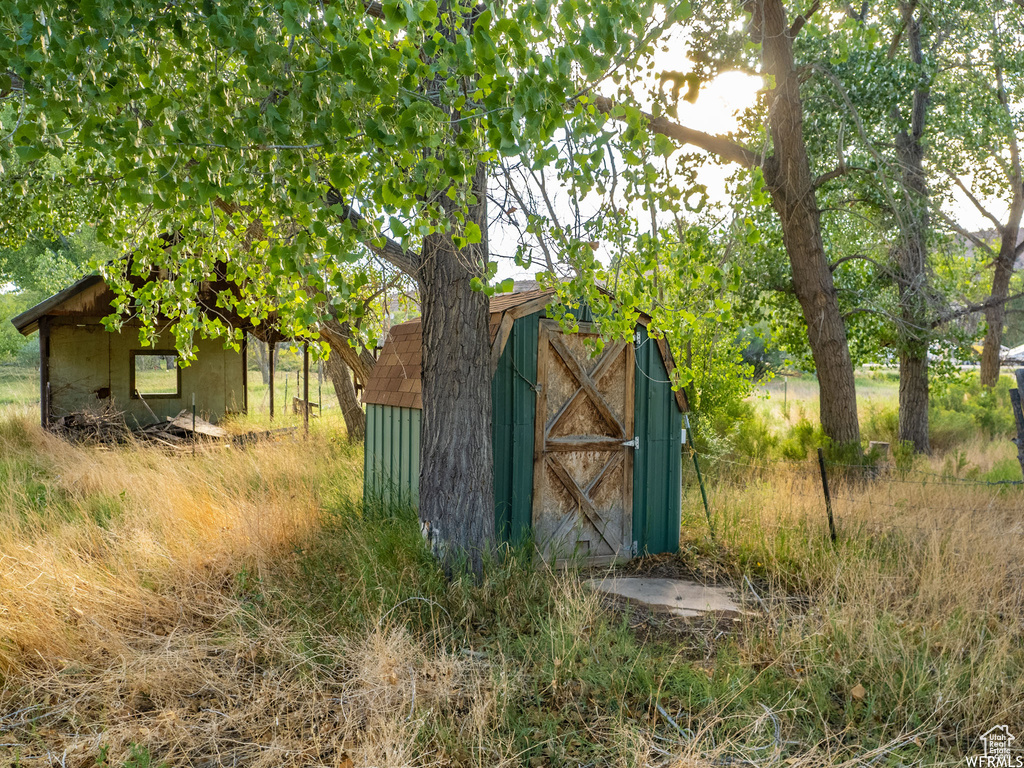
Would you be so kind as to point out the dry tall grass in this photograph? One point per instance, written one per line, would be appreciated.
(217, 609)
(920, 603)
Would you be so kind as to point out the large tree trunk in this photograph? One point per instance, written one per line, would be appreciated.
(788, 176)
(995, 315)
(355, 417)
(456, 461)
(911, 252)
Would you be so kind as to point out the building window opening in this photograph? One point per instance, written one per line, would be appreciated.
(155, 373)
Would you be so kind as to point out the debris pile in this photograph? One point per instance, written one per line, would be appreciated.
(183, 428)
(106, 426)
(109, 426)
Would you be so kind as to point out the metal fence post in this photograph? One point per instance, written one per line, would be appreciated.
(828, 497)
(700, 478)
(1018, 414)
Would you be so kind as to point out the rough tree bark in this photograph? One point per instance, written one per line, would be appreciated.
(995, 315)
(792, 189)
(1009, 234)
(355, 417)
(911, 252)
(788, 178)
(456, 461)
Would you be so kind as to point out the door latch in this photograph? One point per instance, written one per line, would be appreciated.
(634, 443)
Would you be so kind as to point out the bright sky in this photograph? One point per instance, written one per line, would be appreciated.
(716, 111)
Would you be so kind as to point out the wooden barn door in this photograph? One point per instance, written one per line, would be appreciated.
(583, 460)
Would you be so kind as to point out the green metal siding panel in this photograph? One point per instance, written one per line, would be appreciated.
(501, 441)
(368, 447)
(414, 461)
(392, 454)
(514, 404)
(656, 465)
(524, 395)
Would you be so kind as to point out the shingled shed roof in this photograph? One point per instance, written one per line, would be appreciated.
(395, 379)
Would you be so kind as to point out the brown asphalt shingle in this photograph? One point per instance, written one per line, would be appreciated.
(395, 379)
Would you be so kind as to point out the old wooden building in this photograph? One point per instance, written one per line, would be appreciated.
(586, 449)
(85, 368)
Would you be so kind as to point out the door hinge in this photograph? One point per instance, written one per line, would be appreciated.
(634, 443)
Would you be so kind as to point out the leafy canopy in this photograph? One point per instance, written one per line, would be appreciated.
(246, 134)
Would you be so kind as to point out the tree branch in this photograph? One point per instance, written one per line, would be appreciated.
(724, 147)
(859, 257)
(799, 21)
(968, 235)
(391, 251)
(908, 11)
(977, 203)
(970, 309)
(869, 311)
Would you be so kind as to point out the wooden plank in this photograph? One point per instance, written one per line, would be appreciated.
(270, 370)
(585, 503)
(616, 458)
(610, 355)
(581, 499)
(500, 340)
(584, 380)
(44, 371)
(183, 421)
(535, 305)
(584, 443)
(305, 387)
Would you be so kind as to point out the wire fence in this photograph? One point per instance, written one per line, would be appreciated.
(869, 485)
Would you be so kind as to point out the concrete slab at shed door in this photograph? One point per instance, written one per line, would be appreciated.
(583, 471)
(679, 598)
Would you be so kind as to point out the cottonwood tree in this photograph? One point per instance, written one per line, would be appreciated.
(979, 151)
(882, 86)
(337, 126)
(781, 156)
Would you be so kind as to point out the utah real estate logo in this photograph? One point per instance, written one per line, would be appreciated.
(996, 750)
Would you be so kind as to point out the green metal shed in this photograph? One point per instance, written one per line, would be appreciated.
(586, 448)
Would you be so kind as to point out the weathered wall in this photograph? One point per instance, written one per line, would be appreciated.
(84, 359)
(392, 445)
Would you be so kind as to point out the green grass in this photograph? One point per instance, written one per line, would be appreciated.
(243, 602)
(18, 385)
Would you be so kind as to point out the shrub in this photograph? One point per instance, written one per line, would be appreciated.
(881, 423)
(802, 437)
(905, 457)
(1003, 471)
(988, 409)
(754, 436)
(948, 429)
